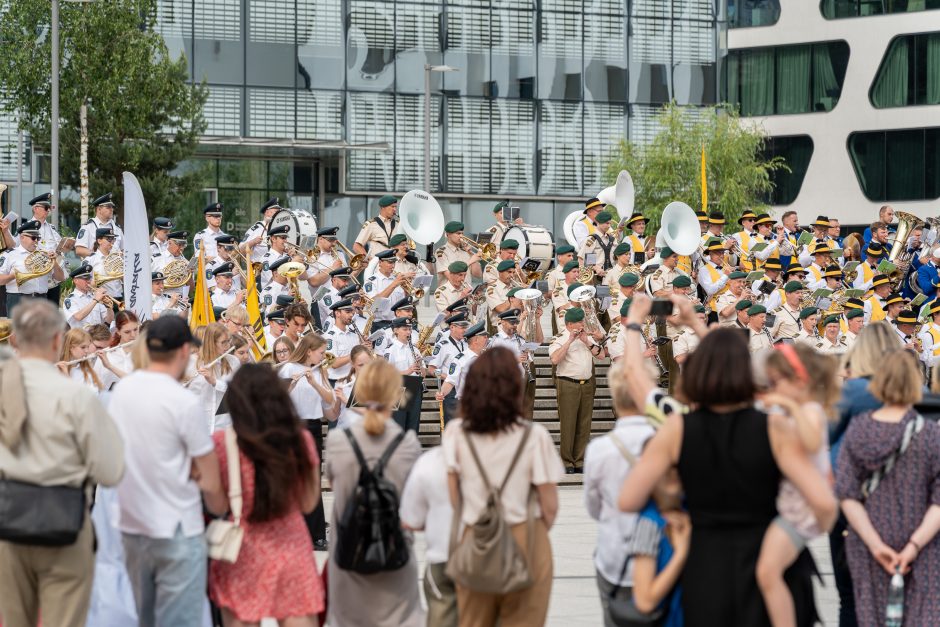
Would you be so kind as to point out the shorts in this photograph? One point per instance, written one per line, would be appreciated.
(797, 538)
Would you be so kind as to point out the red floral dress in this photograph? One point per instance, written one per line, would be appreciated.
(275, 575)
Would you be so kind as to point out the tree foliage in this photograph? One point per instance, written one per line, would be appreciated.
(143, 115)
(669, 168)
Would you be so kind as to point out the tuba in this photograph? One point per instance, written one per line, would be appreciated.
(177, 273)
(899, 254)
(113, 269)
(584, 296)
(37, 264)
(291, 271)
(421, 217)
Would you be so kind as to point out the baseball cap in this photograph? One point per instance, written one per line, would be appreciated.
(169, 333)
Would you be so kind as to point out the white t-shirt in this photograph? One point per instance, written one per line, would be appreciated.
(163, 430)
(425, 503)
(307, 401)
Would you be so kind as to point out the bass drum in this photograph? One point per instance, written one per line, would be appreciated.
(535, 244)
(302, 227)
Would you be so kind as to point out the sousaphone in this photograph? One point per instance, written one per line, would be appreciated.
(421, 217)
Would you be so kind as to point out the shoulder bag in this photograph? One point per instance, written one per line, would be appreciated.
(910, 430)
(224, 537)
(488, 559)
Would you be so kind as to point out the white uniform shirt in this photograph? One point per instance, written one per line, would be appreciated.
(705, 280)
(340, 343)
(113, 288)
(444, 352)
(268, 296)
(400, 355)
(86, 234)
(159, 304)
(15, 260)
(158, 246)
(257, 230)
(77, 301)
(513, 343)
(49, 239)
(375, 284)
(210, 278)
(207, 237)
(458, 368)
(331, 296)
(222, 298)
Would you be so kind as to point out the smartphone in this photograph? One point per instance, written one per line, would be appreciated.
(661, 307)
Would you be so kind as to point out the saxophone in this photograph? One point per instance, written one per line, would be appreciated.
(423, 346)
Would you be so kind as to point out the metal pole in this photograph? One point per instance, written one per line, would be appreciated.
(54, 119)
(427, 128)
(19, 171)
(83, 162)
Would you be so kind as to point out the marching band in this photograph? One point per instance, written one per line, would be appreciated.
(776, 282)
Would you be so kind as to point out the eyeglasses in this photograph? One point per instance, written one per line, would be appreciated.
(32, 237)
(282, 351)
(213, 215)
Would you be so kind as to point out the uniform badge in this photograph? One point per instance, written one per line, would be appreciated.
(452, 368)
(368, 286)
(81, 233)
(68, 303)
(437, 349)
(208, 274)
(379, 342)
(328, 300)
(2, 259)
(329, 345)
(264, 266)
(267, 299)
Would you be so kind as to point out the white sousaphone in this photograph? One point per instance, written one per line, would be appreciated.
(422, 220)
(678, 229)
(621, 195)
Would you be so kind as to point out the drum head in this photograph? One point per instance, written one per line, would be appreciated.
(302, 225)
(535, 243)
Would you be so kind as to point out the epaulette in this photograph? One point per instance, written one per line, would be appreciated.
(439, 253)
(367, 223)
(491, 290)
(439, 291)
(819, 345)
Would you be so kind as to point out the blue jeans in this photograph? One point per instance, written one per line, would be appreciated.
(168, 576)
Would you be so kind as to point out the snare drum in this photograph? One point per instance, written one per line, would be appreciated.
(535, 244)
(303, 227)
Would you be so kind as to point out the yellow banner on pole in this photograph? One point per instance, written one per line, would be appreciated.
(704, 183)
(202, 305)
(259, 346)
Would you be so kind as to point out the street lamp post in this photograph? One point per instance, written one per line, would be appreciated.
(427, 118)
(54, 119)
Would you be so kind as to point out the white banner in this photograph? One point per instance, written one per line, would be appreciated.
(137, 293)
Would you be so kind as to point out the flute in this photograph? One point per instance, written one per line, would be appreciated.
(96, 353)
(219, 358)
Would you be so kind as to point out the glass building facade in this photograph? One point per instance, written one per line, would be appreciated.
(326, 97)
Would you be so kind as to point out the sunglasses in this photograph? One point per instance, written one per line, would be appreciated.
(213, 215)
(32, 237)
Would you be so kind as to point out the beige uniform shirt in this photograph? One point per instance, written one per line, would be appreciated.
(616, 300)
(826, 347)
(67, 436)
(560, 303)
(403, 265)
(447, 294)
(684, 343)
(496, 295)
(849, 339)
(806, 338)
(490, 274)
(595, 245)
(448, 254)
(616, 341)
(662, 279)
(725, 299)
(375, 234)
(787, 325)
(759, 340)
(498, 230)
(555, 277)
(578, 362)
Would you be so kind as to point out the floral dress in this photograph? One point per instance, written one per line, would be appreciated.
(275, 574)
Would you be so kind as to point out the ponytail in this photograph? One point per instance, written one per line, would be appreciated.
(378, 386)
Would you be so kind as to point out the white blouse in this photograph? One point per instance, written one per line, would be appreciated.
(211, 395)
(307, 401)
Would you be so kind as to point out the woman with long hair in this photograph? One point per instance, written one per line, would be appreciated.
(117, 364)
(340, 414)
(492, 424)
(892, 506)
(275, 574)
(311, 392)
(76, 345)
(242, 351)
(388, 598)
(282, 349)
(731, 458)
(214, 365)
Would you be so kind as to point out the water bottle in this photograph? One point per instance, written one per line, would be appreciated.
(894, 613)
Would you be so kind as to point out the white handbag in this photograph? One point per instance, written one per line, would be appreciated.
(224, 537)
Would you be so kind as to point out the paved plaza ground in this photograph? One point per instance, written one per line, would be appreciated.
(574, 600)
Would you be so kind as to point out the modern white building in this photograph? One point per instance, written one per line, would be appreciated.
(849, 90)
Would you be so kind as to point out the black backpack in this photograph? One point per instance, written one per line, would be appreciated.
(370, 538)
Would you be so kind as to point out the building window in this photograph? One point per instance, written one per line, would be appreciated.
(805, 78)
(745, 13)
(836, 9)
(796, 152)
(909, 73)
(897, 165)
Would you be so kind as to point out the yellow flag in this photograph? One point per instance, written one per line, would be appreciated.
(704, 183)
(254, 312)
(202, 304)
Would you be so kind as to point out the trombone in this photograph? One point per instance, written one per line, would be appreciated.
(487, 252)
(356, 262)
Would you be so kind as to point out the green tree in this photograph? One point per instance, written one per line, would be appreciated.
(143, 114)
(669, 167)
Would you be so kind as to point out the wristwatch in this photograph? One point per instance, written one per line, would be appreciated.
(634, 326)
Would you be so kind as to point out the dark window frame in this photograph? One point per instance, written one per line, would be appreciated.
(915, 91)
(929, 134)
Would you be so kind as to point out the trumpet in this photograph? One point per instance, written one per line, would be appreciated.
(415, 293)
(487, 252)
(356, 262)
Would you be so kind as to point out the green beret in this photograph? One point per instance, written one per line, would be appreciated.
(457, 267)
(509, 244)
(398, 238)
(512, 292)
(807, 312)
(854, 313)
(628, 279)
(603, 217)
(742, 305)
(453, 227)
(571, 265)
(499, 206)
(387, 200)
(573, 287)
(505, 264)
(575, 314)
(564, 249)
(623, 248)
(682, 281)
(737, 274)
(666, 252)
(793, 286)
(625, 307)
(700, 309)
(755, 310)
(832, 319)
